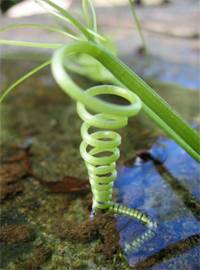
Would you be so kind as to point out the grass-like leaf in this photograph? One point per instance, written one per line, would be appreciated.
(89, 14)
(67, 16)
(138, 24)
(30, 44)
(39, 26)
(23, 78)
(96, 35)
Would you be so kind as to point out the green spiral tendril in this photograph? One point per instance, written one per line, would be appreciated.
(101, 119)
(155, 107)
(100, 141)
(139, 216)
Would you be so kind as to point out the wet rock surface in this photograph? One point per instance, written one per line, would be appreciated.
(55, 185)
(163, 182)
(41, 146)
(12, 171)
(46, 200)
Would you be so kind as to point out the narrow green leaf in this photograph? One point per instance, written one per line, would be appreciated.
(38, 26)
(89, 14)
(138, 24)
(64, 14)
(97, 35)
(30, 44)
(23, 78)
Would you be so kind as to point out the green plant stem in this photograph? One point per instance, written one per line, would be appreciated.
(39, 26)
(138, 25)
(67, 16)
(30, 44)
(91, 20)
(23, 78)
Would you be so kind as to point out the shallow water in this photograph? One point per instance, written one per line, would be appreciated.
(41, 122)
(167, 70)
(165, 187)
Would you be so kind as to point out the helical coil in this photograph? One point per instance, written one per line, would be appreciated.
(151, 225)
(99, 147)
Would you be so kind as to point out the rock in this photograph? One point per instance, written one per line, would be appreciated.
(10, 174)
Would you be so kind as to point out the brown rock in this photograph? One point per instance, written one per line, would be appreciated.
(10, 174)
(7, 190)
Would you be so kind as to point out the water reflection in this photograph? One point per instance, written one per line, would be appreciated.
(168, 191)
(169, 72)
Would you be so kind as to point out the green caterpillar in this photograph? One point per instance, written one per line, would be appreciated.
(99, 148)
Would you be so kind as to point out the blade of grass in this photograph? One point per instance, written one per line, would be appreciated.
(55, 13)
(89, 14)
(23, 78)
(96, 35)
(63, 13)
(88, 33)
(138, 25)
(30, 44)
(38, 26)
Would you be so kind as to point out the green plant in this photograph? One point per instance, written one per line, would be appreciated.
(106, 66)
(138, 25)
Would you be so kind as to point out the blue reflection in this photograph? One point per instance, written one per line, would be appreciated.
(169, 72)
(168, 193)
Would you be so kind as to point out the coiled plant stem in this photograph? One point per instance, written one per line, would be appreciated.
(99, 147)
(100, 141)
(138, 25)
(153, 105)
(141, 217)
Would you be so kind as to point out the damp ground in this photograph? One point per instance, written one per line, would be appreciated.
(46, 198)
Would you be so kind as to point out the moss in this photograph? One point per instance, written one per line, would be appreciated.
(11, 234)
(40, 255)
(46, 120)
(102, 226)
